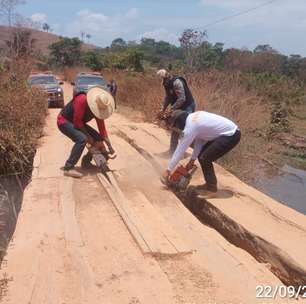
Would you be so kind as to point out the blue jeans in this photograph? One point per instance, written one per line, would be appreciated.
(175, 136)
(80, 140)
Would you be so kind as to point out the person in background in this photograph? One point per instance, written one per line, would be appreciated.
(113, 90)
(178, 97)
(213, 136)
(72, 121)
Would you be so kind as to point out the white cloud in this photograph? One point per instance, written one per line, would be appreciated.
(39, 18)
(104, 28)
(160, 34)
(133, 13)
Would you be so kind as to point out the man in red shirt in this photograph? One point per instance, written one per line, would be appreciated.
(72, 122)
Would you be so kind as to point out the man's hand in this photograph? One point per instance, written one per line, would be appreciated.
(165, 178)
(100, 145)
(190, 165)
(90, 141)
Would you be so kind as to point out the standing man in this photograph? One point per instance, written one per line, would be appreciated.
(213, 137)
(113, 90)
(72, 121)
(178, 97)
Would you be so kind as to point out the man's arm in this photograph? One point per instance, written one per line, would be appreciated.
(184, 144)
(166, 103)
(180, 93)
(104, 135)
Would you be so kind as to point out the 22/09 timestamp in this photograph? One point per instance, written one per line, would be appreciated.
(274, 292)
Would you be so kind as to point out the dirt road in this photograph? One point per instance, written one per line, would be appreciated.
(79, 242)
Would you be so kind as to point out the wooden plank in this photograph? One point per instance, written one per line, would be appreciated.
(143, 228)
(129, 224)
(160, 224)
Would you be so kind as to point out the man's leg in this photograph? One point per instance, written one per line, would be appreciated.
(174, 141)
(213, 151)
(78, 138)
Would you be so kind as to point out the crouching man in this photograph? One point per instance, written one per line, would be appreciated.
(213, 136)
(72, 121)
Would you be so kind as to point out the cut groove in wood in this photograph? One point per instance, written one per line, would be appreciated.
(150, 231)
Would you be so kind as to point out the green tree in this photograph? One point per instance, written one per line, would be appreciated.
(66, 52)
(118, 44)
(265, 48)
(134, 60)
(93, 60)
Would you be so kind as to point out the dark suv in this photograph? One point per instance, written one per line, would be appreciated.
(84, 81)
(49, 84)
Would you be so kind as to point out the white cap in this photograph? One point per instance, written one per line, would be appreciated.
(162, 73)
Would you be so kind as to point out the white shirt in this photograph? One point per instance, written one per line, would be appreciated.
(201, 127)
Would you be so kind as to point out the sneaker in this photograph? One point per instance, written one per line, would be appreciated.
(206, 187)
(73, 173)
(206, 191)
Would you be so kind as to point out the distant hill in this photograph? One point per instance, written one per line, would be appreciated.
(43, 39)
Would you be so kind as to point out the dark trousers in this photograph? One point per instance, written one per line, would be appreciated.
(175, 136)
(80, 140)
(212, 151)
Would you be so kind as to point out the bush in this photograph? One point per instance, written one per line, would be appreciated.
(22, 118)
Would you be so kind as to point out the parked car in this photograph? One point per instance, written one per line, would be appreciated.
(49, 84)
(84, 81)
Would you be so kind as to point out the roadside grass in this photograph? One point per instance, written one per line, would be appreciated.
(22, 118)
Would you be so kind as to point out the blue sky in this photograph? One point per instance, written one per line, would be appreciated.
(281, 24)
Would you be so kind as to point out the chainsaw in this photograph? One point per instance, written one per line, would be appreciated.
(180, 178)
(100, 158)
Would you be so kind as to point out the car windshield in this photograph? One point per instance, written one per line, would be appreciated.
(43, 80)
(91, 81)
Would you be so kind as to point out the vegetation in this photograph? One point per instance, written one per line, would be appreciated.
(22, 110)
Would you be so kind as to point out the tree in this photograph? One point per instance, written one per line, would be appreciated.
(46, 27)
(22, 44)
(8, 9)
(93, 60)
(88, 36)
(190, 41)
(66, 52)
(265, 48)
(134, 60)
(118, 44)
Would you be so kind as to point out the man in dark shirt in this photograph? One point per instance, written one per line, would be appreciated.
(178, 97)
(72, 121)
(113, 90)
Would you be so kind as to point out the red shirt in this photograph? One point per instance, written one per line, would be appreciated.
(79, 109)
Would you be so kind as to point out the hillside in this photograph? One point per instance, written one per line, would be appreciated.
(43, 39)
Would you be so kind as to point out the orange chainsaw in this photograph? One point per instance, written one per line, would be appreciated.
(180, 178)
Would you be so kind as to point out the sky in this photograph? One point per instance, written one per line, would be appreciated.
(282, 24)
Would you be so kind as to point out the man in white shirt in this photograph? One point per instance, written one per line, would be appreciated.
(213, 136)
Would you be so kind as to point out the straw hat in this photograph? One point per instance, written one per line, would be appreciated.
(100, 102)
